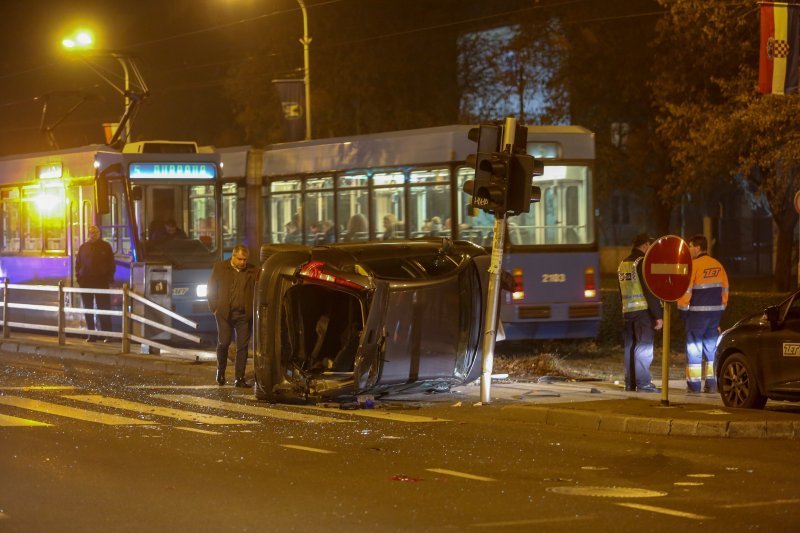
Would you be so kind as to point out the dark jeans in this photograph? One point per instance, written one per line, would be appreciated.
(638, 337)
(237, 323)
(103, 301)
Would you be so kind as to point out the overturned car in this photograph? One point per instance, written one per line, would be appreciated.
(340, 320)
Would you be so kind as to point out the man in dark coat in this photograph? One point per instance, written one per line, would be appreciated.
(95, 269)
(230, 297)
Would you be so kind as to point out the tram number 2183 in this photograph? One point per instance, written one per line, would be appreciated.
(554, 278)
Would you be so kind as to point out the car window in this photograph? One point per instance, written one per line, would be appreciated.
(417, 267)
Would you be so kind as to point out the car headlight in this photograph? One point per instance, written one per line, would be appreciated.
(202, 291)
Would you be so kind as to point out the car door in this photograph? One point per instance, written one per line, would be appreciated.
(780, 350)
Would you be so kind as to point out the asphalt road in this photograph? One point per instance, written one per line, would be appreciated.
(140, 451)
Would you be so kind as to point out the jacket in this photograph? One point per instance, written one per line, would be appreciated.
(219, 287)
(95, 265)
(634, 294)
(708, 288)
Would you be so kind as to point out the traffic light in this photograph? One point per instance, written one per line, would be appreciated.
(503, 175)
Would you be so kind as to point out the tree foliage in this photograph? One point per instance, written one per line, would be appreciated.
(720, 132)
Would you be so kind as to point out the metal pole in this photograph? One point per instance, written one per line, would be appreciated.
(665, 355)
(495, 268)
(127, 100)
(62, 338)
(6, 331)
(126, 320)
(306, 41)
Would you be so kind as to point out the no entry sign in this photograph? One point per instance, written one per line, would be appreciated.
(668, 268)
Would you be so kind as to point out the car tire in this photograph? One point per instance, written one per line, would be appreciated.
(738, 385)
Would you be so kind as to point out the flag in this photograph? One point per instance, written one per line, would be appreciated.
(779, 49)
(293, 103)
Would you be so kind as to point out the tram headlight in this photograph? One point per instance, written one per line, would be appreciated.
(201, 291)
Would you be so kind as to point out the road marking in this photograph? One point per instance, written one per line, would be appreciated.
(532, 521)
(459, 474)
(7, 421)
(376, 413)
(195, 430)
(306, 448)
(663, 510)
(757, 504)
(167, 387)
(41, 387)
(119, 403)
(247, 409)
(71, 412)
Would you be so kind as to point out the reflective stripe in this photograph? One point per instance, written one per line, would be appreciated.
(630, 287)
(706, 308)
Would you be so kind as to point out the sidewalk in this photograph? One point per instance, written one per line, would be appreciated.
(590, 405)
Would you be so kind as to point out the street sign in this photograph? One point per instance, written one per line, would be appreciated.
(667, 268)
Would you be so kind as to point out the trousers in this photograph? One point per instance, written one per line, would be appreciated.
(103, 301)
(638, 340)
(236, 324)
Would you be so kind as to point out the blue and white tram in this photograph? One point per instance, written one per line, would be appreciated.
(48, 201)
(409, 185)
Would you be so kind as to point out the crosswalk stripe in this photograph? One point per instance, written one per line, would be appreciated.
(40, 387)
(195, 430)
(71, 412)
(456, 473)
(127, 405)
(247, 409)
(7, 420)
(306, 448)
(376, 413)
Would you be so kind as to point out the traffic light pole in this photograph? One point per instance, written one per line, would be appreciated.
(495, 269)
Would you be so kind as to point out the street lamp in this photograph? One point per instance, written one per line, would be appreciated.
(83, 42)
(306, 40)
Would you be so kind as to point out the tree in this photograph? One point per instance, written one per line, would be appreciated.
(718, 129)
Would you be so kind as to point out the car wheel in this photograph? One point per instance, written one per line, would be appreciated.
(738, 385)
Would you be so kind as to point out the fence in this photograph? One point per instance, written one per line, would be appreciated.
(128, 315)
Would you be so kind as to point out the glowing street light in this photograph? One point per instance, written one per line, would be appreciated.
(82, 39)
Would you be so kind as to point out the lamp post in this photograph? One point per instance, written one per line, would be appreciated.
(306, 41)
(82, 41)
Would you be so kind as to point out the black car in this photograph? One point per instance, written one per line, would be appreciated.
(759, 357)
(342, 320)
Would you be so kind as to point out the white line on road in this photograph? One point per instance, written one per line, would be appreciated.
(247, 409)
(533, 521)
(71, 412)
(376, 413)
(167, 387)
(7, 421)
(664, 510)
(195, 430)
(40, 387)
(306, 448)
(119, 403)
(459, 474)
(758, 504)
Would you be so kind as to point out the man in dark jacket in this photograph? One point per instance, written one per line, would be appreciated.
(94, 269)
(230, 297)
(642, 314)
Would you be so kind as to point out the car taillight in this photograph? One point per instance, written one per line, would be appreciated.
(519, 289)
(589, 289)
(315, 270)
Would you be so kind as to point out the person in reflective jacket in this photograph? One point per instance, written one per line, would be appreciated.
(642, 315)
(701, 309)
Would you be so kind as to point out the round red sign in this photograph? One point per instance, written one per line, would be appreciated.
(667, 268)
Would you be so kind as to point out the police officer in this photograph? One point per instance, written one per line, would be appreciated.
(701, 309)
(642, 314)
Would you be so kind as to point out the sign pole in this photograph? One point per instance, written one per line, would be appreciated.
(665, 354)
(495, 268)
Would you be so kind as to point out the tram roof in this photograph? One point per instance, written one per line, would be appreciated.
(75, 161)
(399, 148)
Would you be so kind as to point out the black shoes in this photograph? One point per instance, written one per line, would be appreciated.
(91, 339)
(220, 378)
(241, 383)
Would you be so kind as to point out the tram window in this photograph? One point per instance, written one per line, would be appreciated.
(389, 206)
(352, 211)
(318, 215)
(202, 215)
(352, 180)
(474, 225)
(10, 220)
(232, 216)
(53, 214)
(285, 205)
(429, 204)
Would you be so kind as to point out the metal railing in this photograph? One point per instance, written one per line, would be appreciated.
(128, 314)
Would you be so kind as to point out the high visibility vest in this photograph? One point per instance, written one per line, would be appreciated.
(630, 287)
(708, 290)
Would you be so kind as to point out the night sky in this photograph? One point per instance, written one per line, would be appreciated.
(184, 49)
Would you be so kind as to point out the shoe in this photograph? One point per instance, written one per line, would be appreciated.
(709, 390)
(630, 388)
(220, 378)
(241, 383)
(91, 339)
(108, 340)
(649, 388)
